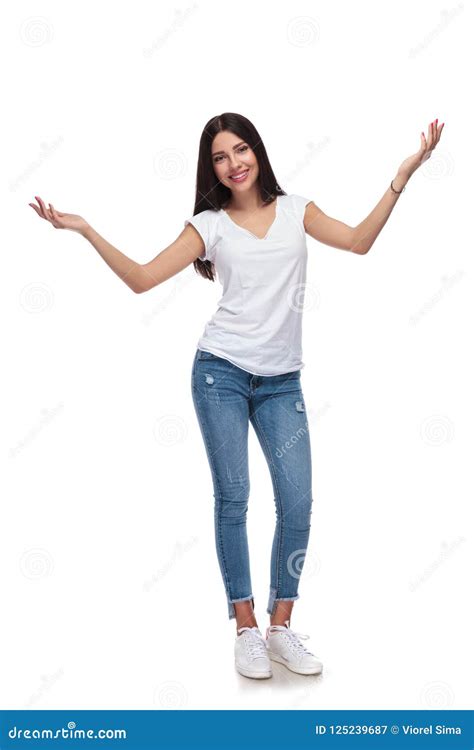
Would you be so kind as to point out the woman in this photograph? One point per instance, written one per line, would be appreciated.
(247, 366)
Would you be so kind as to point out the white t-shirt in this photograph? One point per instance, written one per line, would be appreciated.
(258, 323)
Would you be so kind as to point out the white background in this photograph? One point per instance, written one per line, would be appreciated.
(110, 587)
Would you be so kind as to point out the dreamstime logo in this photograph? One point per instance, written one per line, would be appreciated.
(299, 559)
(182, 280)
(35, 31)
(446, 551)
(47, 416)
(448, 282)
(302, 31)
(436, 430)
(291, 683)
(446, 17)
(280, 452)
(438, 165)
(313, 414)
(179, 19)
(437, 695)
(313, 150)
(36, 563)
(297, 297)
(46, 151)
(47, 684)
(36, 297)
(178, 552)
(171, 694)
(170, 429)
(170, 164)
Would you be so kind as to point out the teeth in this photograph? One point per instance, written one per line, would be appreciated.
(239, 176)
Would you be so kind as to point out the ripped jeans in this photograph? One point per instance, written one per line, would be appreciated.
(226, 398)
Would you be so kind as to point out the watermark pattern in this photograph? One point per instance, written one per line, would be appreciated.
(292, 441)
(178, 552)
(36, 563)
(313, 150)
(171, 694)
(47, 150)
(47, 416)
(36, 297)
(302, 31)
(446, 551)
(447, 283)
(170, 164)
(441, 164)
(36, 31)
(299, 301)
(436, 430)
(170, 429)
(299, 559)
(301, 431)
(182, 280)
(437, 694)
(446, 17)
(180, 16)
(296, 689)
(47, 683)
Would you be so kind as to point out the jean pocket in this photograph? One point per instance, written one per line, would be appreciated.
(205, 355)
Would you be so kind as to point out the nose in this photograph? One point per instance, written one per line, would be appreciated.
(235, 166)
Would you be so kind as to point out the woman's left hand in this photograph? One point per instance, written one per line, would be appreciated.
(411, 164)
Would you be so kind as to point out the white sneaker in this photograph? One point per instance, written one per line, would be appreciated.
(251, 656)
(283, 645)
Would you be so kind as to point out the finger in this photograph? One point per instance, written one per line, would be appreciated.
(430, 136)
(440, 130)
(40, 208)
(45, 212)
(53, 212)
(36, 209)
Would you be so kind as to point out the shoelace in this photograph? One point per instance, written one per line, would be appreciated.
(292, 638)
(254, 641)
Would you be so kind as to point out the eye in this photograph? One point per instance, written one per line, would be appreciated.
(242, 149)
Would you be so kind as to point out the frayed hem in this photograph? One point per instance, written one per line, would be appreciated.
(231, 602)
(272, 602)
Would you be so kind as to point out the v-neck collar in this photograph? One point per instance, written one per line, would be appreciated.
(248, 231)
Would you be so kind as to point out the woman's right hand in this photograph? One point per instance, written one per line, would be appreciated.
(59, 220)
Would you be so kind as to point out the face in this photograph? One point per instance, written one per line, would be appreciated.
(231, 155)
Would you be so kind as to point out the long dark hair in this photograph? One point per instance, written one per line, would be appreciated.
(210, 192)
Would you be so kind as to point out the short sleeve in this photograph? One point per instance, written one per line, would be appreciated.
(205, 224)
(299, 205)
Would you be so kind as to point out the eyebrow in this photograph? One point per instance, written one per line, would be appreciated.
(233, 148)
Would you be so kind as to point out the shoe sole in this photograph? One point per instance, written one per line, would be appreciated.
(254, 675)
(298, 670)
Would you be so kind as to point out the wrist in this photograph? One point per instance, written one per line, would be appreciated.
(86, 231)
(400, 180)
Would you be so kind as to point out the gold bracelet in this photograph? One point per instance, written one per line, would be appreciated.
(398, 192)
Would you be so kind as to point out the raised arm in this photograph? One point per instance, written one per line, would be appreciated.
(187, 247)
(360, 239)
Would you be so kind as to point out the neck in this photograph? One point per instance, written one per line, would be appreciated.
(245, 202)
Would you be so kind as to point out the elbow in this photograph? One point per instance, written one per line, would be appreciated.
(143, 282)
(358, 246)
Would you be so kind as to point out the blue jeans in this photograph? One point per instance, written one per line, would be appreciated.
(226, 398)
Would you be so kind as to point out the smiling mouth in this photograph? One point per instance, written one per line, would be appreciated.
(239, 177)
